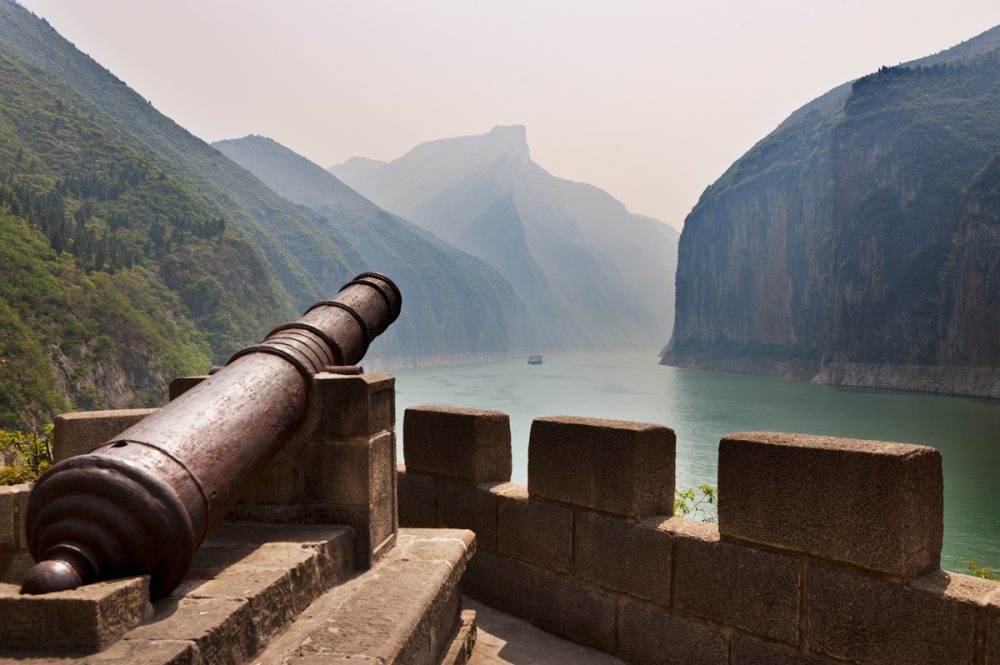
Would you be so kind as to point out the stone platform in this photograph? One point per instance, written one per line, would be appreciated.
(264, 593)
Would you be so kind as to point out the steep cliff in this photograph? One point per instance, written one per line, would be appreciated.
(832, 249)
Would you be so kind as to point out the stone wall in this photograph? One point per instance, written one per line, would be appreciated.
(826, 551)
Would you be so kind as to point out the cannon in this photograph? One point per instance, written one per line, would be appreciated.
(141, 503)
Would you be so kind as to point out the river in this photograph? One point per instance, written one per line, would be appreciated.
(701, 406)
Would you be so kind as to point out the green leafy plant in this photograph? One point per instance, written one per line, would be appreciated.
(29, 455)
(986, 572)
(693, 502)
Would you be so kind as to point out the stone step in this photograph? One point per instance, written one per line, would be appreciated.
(401, 612)
(247, 583)
(459, 650)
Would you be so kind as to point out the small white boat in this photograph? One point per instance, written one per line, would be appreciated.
(535, 359)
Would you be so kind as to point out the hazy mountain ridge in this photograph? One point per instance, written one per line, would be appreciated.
(823, 251)
(456, 305)
(591, 274)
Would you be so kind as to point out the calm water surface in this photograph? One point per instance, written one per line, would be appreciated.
(702, 406)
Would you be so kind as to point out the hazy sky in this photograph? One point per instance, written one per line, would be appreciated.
(649, 100)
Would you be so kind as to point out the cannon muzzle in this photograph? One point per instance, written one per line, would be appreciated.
(141, 503)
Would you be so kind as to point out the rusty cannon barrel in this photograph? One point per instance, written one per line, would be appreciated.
(141, 503)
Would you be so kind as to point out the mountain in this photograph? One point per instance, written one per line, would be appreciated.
(592, 274)
(456, 305)
(134, 252)
(94, 306)
(839, 248)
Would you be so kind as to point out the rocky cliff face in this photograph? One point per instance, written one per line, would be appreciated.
(851, 245)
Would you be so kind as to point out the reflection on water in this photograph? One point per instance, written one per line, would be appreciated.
(702, 406)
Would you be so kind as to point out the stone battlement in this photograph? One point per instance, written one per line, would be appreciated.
(826, 551)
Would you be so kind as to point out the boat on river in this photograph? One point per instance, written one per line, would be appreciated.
(535, 359)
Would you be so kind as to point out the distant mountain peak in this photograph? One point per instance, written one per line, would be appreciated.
(509, 139)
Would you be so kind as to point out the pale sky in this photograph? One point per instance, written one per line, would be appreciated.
(651, 101)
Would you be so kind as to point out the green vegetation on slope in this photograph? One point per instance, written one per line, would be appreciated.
(116, 277)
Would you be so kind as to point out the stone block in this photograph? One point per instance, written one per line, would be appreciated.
(14, 567)
(342, 472)
(123, 652)
(743, 587)
(871, 621)
(623, 556)
(400, 612)
(22, 516)
(268, 590)
(79, 433)
(532, 531)
(463, 506)
(993, 628)
(86, 619)
(182, 384)
(872, 504)
(221, 629)
(500, 582)
(617, 467)
(472, 445)
(13, 505)
(650, 635)
(750, 651)
(458, 651)
(417, 499)
(573, 610)
(346, 407)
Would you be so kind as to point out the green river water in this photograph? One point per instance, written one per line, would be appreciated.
(701, 406)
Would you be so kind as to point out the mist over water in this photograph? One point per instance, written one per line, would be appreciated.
(702, 406)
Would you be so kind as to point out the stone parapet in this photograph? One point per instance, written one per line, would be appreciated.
(80, 432)
(796, 584)
(872, 504)
(469, 445)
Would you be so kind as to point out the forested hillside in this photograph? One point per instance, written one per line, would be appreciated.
(141, 252)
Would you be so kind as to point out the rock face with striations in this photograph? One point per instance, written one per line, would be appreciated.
(852, 243)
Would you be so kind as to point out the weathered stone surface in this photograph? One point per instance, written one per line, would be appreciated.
(533, 531)
(871, 621)
(182, 384)
(124, 652)
(85, 619)
(873, 504)
(740, 586)
(417, 499)
(993, 628)
(14, 566)
(467, 444)
(458, 651)
(617, 467)
(463, 506)
(21, 525)
(314, 557)
(623, 556)
(649, 635)
(391, 614)
(13, 500)
(79, 433)
(222, 629)
(352, 406)
(268, 591)
(573, 610)
(750, 651)
(500, 582)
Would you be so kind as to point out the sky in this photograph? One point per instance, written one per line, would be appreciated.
(651, 101)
